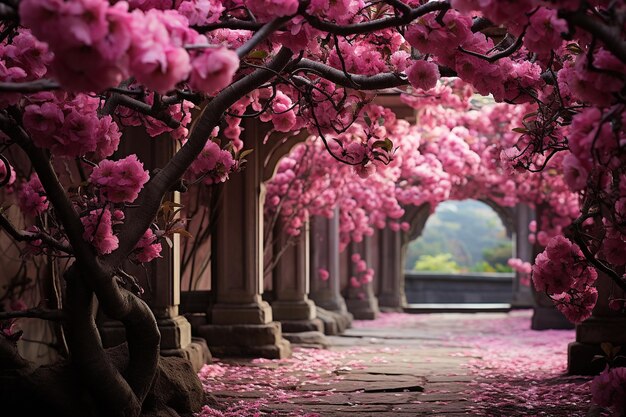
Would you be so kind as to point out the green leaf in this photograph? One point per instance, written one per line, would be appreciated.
(386, 144)
(245, 153)
(607, 348)
(367, 119)
(574, 48)
(257, 54)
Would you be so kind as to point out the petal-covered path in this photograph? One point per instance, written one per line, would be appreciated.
(410, 365)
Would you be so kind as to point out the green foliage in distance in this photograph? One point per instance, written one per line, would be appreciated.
(441, 262)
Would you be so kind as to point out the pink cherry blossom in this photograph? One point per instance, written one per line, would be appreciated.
(147, 249)
(31, 197)
(99, 231)
(120, 181)
(423, 75)
(213, 69)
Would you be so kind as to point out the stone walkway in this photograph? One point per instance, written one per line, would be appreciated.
(410, 365)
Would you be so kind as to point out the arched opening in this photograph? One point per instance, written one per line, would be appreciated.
(461, 256)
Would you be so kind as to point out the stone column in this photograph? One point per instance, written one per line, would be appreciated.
(390, 277)
(161, 277)
(522, 294)
(604, 326)
(292, 306)
(360, 300)
(241, 323)
(326, 290)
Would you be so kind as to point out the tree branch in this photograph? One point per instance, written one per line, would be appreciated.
(150, 197)
(610, 36)
(118, 99)
(29, 87)
(378, 24)
(362, 82)
(22, 236)
(260, 36)
(514, 47)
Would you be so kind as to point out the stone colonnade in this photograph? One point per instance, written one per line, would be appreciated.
(238, 321)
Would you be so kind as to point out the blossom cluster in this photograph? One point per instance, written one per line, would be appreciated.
(97, 45)
(609, 389)
(563, 273)
(69, 126)
(119, 181)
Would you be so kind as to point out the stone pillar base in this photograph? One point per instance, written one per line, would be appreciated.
(313, 339)
(580, 359)
(391, 303)
(233, 314)
(590, 334)
(176, 339)
(197, 352)
(335, 322)
(297, 326)
(293, 310)
(546, 318)
(366, 309)
(255, 340)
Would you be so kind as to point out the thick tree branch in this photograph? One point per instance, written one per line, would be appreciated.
(234, 24)
(22, 236)
(118, 99)
(361, 82)
(378, 24)
(510, 50)
(150, 197)
(100, 377)
(29, 87)
(260, 36)
(612, 37)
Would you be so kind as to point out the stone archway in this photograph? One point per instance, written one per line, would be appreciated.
(515, 222)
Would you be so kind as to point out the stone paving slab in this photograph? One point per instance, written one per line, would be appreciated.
(432, 368)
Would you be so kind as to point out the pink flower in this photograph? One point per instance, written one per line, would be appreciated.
(155, 60)
(323, 274)
(544, 32)
(26, 52)
(99, 231)
(213, 69)
(423, 75)
(120, 181)
(574, 173)
(147, 249)
(42, 122)
(109, 137)
(266, 10)
(560, 268)
(31, 197)
(7, 169)
(212, 166)
(354, 282)
(578, 307)
(201, 12)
